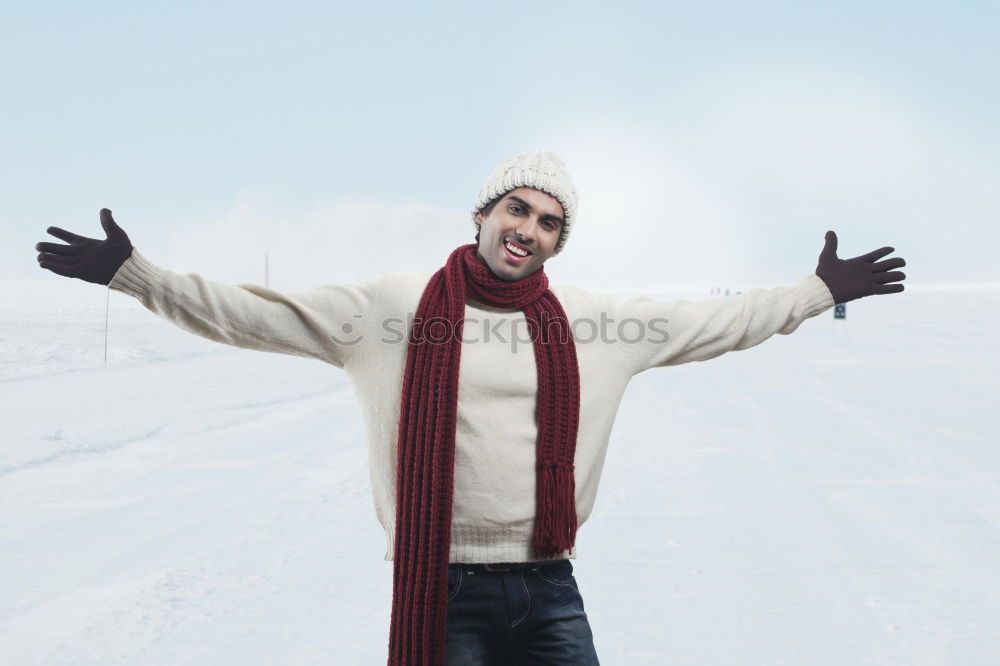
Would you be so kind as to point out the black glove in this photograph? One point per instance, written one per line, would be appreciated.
(849, 279)
(89, 259)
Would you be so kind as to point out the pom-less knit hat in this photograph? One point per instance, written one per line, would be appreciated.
(542, 170)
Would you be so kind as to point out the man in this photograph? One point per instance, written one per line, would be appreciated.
(485, 455)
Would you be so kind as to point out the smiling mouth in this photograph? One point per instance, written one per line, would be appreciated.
(518, 252)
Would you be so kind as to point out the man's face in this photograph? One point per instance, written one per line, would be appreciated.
(520, 232)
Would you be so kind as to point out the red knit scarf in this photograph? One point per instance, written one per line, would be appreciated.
(426, 445)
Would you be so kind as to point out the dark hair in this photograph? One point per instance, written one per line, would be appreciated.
(486, 210)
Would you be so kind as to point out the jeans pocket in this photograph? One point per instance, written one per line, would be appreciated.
(454, 581)
(559, 573)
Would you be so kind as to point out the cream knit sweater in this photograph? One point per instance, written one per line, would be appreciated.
(363, 329)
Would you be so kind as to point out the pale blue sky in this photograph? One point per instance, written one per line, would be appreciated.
(711, 142)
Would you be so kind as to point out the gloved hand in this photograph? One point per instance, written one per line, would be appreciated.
(849, 279)
(89, 259)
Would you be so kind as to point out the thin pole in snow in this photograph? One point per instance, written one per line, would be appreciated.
(107, 306)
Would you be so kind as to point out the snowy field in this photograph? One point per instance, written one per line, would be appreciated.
(830, 497)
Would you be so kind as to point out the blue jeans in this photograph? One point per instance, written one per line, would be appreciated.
(522, 617)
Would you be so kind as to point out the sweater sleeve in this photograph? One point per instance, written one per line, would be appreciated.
(325, 323)
(683, 331)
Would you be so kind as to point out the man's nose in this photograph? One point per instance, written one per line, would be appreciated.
(527, 228)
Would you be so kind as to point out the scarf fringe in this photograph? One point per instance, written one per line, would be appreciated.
(555, 529)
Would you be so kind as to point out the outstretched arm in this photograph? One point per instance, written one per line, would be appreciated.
(326, 323)
(683, 331)
(686, 331)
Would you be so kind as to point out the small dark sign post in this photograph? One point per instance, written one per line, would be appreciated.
(840, 311)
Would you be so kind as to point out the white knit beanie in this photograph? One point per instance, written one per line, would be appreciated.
(542, 170)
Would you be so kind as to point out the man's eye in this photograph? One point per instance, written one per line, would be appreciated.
(514, 209)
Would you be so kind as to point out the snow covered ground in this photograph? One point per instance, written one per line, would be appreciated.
(830, 497)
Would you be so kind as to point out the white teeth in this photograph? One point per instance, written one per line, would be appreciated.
(516, 250)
